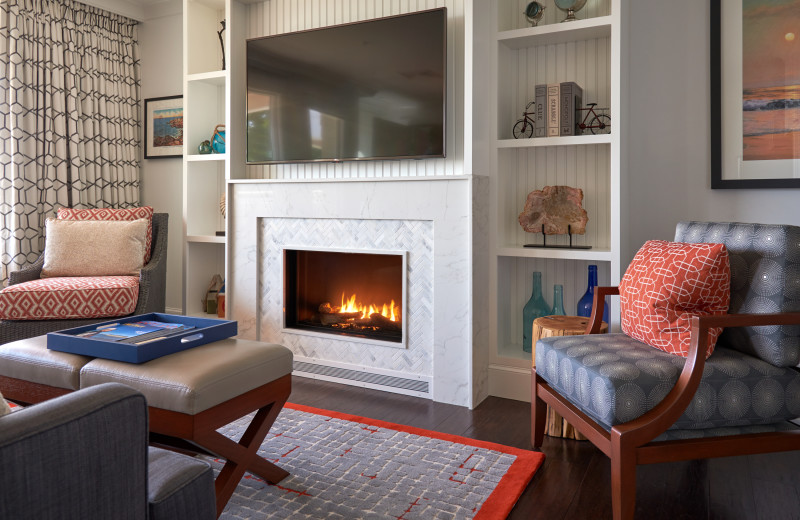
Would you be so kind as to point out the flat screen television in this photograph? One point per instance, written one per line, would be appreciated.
(366, 90)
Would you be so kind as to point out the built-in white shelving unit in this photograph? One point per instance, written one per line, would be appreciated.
(586, 51)
(207, 103)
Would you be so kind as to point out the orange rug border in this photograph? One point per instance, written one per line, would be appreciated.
(498, 505)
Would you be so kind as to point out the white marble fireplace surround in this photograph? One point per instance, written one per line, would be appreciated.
(438, 221)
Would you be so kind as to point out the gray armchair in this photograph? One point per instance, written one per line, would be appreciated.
(152, 290)
(85, 456)
(640, 405)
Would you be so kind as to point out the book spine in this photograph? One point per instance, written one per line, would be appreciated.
(553, 119)
(540, 128)
(571, 101)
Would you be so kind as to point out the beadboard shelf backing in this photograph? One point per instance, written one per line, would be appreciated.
(521, 171)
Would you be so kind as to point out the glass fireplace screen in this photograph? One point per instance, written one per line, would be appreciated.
(344, 293)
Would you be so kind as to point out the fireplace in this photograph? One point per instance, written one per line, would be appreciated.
(358, 294)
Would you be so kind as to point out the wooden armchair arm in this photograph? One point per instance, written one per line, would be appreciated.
(656, 421)
(599, 305)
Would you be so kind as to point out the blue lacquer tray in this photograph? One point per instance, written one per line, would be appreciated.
(206, 330)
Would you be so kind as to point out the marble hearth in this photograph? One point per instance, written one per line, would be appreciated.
(435, 222)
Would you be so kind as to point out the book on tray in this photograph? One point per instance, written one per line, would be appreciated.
(137, 332)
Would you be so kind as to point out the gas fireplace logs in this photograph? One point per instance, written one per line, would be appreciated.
(331, 315)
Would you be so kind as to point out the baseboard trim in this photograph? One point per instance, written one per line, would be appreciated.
(510, 382)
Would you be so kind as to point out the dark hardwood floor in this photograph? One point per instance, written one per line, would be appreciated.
(573, 482)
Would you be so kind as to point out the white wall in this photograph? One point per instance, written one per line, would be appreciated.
(160, 41)
(669, 140)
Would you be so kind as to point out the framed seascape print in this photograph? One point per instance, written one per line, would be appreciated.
(163, 127)
(755, 94)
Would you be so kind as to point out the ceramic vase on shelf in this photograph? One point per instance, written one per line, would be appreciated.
(535, 308)
(587, 300)
(558, 301)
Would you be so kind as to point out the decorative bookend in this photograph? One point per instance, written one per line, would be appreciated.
(555, 210)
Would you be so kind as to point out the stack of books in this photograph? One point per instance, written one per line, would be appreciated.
(557, 107)
(137, 332)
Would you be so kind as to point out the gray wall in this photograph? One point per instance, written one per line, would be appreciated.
(161, 47)
(668, 133)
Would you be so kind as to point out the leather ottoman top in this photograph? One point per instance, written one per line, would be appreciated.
(198, 378)
(30, 360)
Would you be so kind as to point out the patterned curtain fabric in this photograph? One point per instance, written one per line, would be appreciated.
(69, 106)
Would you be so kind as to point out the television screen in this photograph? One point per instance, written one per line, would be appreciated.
(366, 90)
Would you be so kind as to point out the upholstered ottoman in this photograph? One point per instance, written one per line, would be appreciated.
(194, 392)
(29, 373)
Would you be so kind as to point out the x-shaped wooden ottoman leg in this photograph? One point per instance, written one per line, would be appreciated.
(199, 432)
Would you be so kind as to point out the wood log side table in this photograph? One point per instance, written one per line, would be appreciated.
(546, 327)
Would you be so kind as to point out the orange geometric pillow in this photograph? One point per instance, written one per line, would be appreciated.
(668, 283)
(114, 214)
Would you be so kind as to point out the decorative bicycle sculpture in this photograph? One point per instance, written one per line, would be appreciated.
(599, 123)
(596, 123)
(523, 129)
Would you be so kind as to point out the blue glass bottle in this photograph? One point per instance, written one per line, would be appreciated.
(535, 308)
(558, 301)
(587, 300)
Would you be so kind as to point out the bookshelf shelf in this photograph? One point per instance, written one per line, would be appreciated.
(206, 239)
(216, 78)
(586, 52)
(555, 141)
(208, 103)
(588, 29)
(594, 255)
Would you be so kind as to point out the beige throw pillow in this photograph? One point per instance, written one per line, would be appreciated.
(93, 247)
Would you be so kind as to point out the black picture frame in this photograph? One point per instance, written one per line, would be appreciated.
(152, 149)
(717, 145)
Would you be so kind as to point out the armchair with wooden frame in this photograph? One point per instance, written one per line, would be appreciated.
(739, 401)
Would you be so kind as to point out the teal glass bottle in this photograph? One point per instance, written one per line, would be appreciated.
(558, 301)
(535, 308)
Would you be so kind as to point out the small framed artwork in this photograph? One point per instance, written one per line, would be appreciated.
(755, 94)
(163, 127)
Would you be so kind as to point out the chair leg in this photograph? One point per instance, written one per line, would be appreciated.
(538, 414)
(623, 479)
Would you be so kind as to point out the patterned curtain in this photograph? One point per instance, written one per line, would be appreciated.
(69, 107)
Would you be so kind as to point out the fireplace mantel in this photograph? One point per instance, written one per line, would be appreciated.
(438, 220)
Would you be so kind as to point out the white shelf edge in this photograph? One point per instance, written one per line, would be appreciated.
(206, 157)
(597, 255)
(215, 77)
(205, 239)
(587, 29)
(571, 140)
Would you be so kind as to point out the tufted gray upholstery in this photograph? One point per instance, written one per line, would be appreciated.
(614, 379)
(765, 278)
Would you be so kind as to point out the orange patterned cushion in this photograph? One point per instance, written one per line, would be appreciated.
(666, 285)
(114, 214)
(70, 297)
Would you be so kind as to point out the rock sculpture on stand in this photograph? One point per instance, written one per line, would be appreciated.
(555, 210)
(558, 208)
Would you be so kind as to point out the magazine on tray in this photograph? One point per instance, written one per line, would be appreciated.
(137, 332)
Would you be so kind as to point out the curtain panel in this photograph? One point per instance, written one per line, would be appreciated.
(69, 104)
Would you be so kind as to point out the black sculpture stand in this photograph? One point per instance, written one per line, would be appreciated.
(544, 243)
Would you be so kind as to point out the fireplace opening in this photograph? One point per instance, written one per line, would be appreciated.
(345, 293)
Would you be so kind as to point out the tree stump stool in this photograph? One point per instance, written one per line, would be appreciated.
(546, 327)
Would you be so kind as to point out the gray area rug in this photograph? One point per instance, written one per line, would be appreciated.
(347, 467)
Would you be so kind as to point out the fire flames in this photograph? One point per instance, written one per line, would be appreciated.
(386, 310)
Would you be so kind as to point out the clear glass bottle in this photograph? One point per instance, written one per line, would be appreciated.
(558, 301)
(535, 308)
(587, 300)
